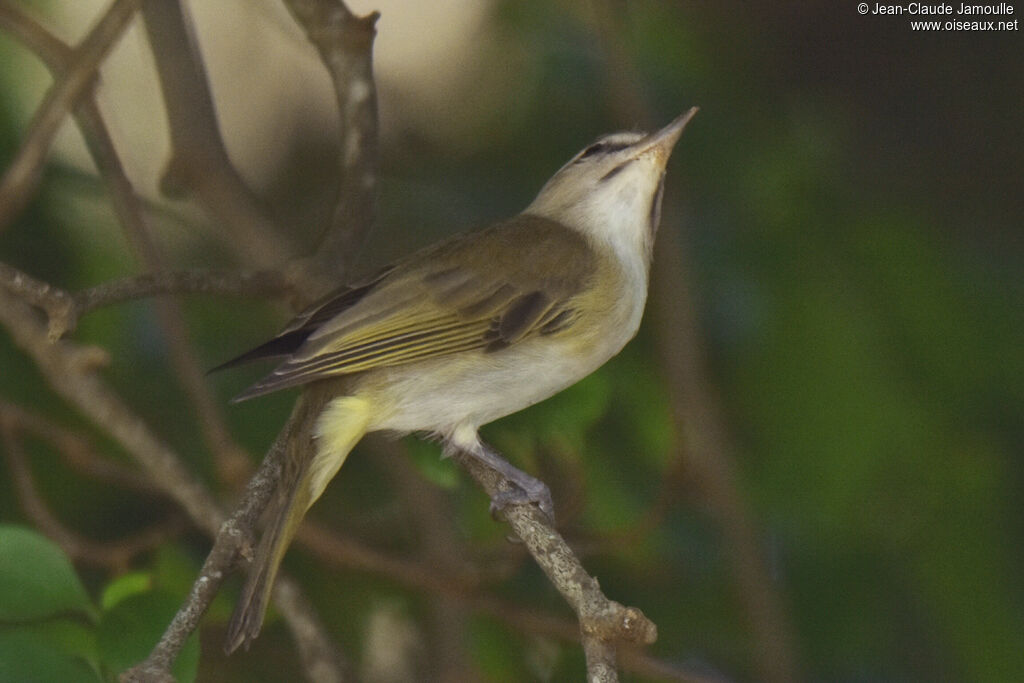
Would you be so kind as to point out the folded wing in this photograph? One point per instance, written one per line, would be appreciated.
(481, 293)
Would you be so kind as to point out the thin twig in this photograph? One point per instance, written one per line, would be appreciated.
(710, 465)
(600, 618)
(234, 537)
(113, 555)
(64, 309)
(258, 283)
(22, 175)
(71, 370)
(77, 451)
(321, 660)
(229, 457)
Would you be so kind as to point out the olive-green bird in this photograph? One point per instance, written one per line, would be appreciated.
(469, 330)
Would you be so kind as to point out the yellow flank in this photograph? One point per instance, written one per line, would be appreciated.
(338, 429)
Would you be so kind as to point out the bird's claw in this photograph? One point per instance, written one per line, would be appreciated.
(530, 492)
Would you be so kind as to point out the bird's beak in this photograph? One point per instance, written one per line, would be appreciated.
(661, 142)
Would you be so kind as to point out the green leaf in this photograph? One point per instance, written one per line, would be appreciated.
(129, 631)
(40, 654)
(36, 578)
(124, 587)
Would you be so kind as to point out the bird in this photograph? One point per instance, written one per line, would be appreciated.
(464, 332)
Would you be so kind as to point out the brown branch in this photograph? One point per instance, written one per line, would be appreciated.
(113, 555)
(321, 660)
(257, 283)
(199, 164)
(604, 622)
(24, 172)
(71, 371)
(235, 537)
(230, 459)
(338, 550)
(463, 583)
(64, 309)
(710, 465)
(345, 44)
(76, 450)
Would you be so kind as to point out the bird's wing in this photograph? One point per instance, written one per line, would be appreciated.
(482, 291)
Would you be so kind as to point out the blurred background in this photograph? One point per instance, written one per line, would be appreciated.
(809, 463)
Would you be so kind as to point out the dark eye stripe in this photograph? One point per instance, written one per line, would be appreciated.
(599, 147)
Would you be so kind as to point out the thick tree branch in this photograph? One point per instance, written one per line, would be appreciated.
(199, 163)
(229, 457)
(345, 44)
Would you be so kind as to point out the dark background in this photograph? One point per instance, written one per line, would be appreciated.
(845, 216)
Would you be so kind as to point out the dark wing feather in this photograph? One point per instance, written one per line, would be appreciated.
(528, 272)
(291, 338)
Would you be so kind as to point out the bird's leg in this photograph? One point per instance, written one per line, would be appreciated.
(526, 488)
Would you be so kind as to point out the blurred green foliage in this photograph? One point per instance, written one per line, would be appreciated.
(51, 631)
(850, 199)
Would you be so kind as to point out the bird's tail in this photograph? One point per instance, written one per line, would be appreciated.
(338, 428)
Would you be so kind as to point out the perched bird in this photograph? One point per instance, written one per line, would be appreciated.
(467, 331)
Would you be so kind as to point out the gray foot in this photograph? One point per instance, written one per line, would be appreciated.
(527, 489)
